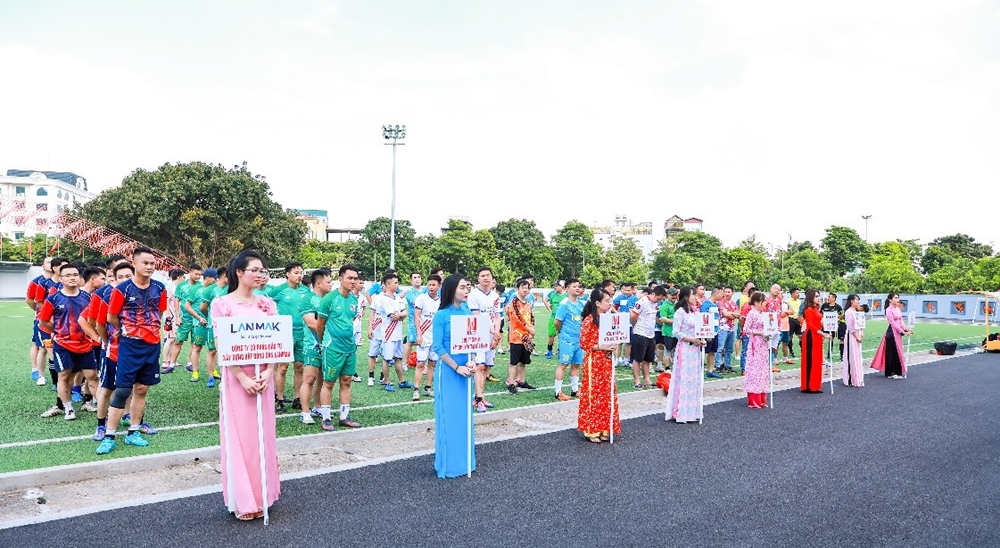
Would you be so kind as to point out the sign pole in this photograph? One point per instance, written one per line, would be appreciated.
(701, 397)
(611, 420)
(468, 405)
(260, 446)
(829, 357)
(770, 373)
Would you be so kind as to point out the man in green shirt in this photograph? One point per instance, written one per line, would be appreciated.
(795, 304)
(201, 320)
(552, 301)
(322, 280)
(288, 297)
(208, 295)
(666, 321)
(336, 323)
(184, 330)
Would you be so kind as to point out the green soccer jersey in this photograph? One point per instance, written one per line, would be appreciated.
(554, 299)
(290, 301)
(187, 293)
(310, 306)
(339, 314)
(208, 295)
(667, 311)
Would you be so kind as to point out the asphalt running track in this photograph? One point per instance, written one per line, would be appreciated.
(898, 463)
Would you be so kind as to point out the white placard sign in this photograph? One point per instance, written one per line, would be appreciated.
(859, 321)
(615, 328)
(911, 319)
(707, 325)
(471, 333)
(251, 340)
(772, 323)
(830, 320)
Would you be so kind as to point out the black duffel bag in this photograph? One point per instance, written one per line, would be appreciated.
(945, 348)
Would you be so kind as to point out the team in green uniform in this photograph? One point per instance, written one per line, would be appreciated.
(313, 362)
(336, 320)
(289, 297)
(184, 330)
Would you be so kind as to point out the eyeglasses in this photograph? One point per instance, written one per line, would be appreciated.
(256, 270)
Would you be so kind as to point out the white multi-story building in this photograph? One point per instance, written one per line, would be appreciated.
(48, 192)
(642, 233)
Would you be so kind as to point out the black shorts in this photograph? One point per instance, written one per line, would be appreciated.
(712, 345)
(658, 337)
(669, 343)
(643, 349)
(519, 355)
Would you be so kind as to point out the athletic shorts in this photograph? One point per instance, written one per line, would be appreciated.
(184, 332)
(643, 349)
(138, 363)
(411, 335)
(712, 345)
(658, 337)
(669, 343)
(210, 338)
(424, 353)
(570, 353)
(552, 327)
(487, 358)
(38, 336)
(98, 356)
(336, 365)
(199, 335)
(106, 373)
(312, 357)
(357, 338)
(786, 337)
(298, 350)
(392, 350)
(72, 361)
(519, 355)
(374, 348)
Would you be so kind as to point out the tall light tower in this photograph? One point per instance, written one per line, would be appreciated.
(866, 217)
(395, 134)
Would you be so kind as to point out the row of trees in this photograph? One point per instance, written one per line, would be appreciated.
(206, 213)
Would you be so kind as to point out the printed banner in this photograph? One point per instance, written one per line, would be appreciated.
(471, 333)
(859, 321)
(830, 320)
(251, 340)
(772, 324)
(911, 319)
(615, 328)
(707, 324)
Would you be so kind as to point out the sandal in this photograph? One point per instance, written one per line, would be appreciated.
(637, 386)
(595, 439)
(605, 438)
(249, 516)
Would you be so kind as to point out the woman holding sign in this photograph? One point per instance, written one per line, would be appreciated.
(597, 393)
(853, 362)
(890, 358)
(812, 338)
(247, 428)
(758, 362)
(685, 383)
(452, 408)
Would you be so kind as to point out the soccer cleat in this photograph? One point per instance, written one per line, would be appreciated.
(210, 383)
(53, 387)
(389, 387)
(713, 375)
(356, 378)
(147, 429)
(315, 412)
(34, 375)
(40, 381)
(371, 381)
(481, 406)
(135, 438)
(574, 394)
(487, 404)
(189, 367)
(512, 388)
(548, 355)
(296, 404)
(406, 384)
(76, 396)
(107, 445)
(524, 385)
(492, 378)
(429, 392)
(217, 375)
(416, 394)
(279, 406)
(125, 419)
(70, 414)
(167, 368)
(563, 397)
(349, 423)
(99, 434)
(53, 411)
(194, 376)
(306, 418)
(328, 425)
(90, 407)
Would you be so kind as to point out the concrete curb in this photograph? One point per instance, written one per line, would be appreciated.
(72, 473)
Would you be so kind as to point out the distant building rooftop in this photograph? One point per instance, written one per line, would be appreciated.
(313, 212)
(71, 179)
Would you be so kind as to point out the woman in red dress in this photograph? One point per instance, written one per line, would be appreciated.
(812, 339)
(597, 392)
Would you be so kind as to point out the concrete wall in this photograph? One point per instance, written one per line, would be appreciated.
(13, 283)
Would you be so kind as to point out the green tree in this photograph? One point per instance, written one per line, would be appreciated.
(963, 245)
(375, 240)
(795, 247)
(890, 270)
(523, 248)
(844, 249)
(958, 275)
(199, 212)
(688, 257)
(624, 261)
(590, 277)
(574, 245)
(739, 264)
(455, 250)
(318, 254)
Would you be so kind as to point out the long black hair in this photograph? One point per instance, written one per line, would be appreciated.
(239, 264)
(850, 299)
(885, 305)
(448, 289)
(811, 299)
(590, 309)
(682, 299)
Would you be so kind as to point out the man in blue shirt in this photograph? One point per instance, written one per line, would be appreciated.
(624, 303)
(569, 317)
(415, 290)
(713, 345)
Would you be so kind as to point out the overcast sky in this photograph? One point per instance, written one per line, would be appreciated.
(772, 118)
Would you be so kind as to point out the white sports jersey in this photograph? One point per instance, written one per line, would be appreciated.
(428, 307)
(385, 305)
(362, 305)
(481, 302)
(645, 324)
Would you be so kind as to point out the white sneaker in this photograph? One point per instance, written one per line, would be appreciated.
(70, 414)
(89, 407)
(306, 418)
(416, 394)
(52, 412)
(40, 381)
(371, 381)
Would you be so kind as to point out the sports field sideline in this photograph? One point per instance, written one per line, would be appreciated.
(186, 412)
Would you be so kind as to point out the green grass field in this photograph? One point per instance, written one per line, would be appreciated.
(186, 412)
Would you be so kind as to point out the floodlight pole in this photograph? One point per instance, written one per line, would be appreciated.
(866, 217)
(396, 134)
